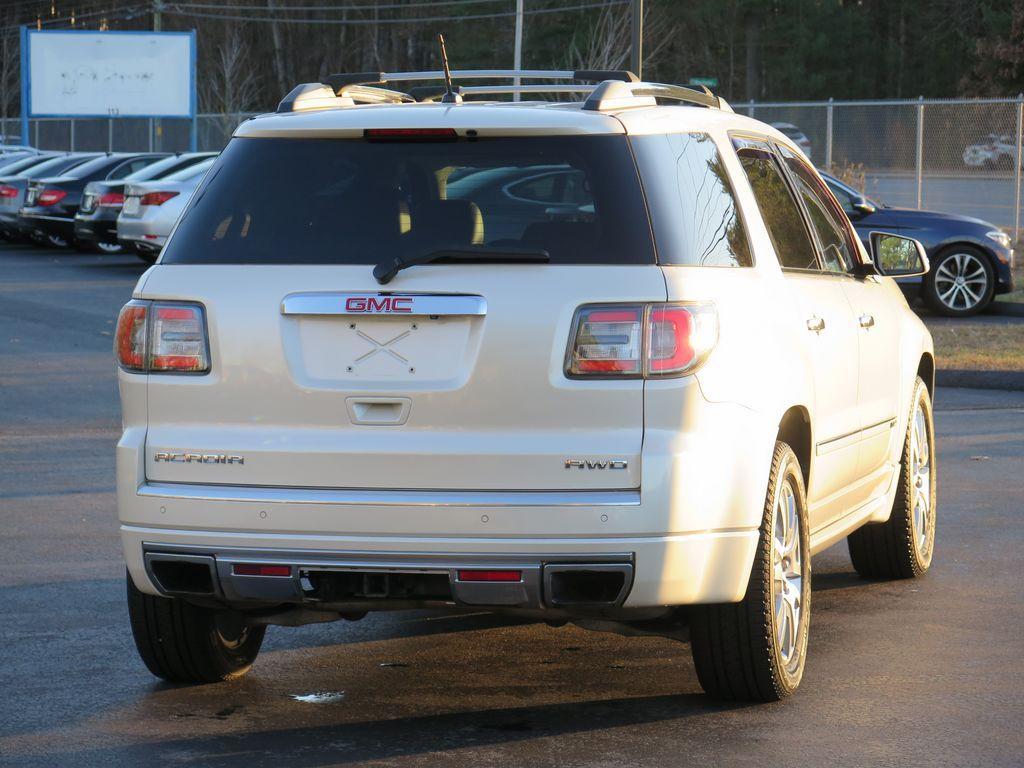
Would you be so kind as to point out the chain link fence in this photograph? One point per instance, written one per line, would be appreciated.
(954, 156)
(126, 134)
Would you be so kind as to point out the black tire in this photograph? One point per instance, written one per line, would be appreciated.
(183, 643)
(895, 549)
(55, 241)
(736, 647)
(937, 284)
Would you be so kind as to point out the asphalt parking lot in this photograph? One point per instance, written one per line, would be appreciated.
(926, 673)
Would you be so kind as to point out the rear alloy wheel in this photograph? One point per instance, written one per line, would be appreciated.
(961, 283)
(755, 650)
(56, 241)
(185, 643)
(902, 547)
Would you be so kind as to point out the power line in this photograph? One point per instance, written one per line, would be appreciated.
(404, 6)
(176, 11)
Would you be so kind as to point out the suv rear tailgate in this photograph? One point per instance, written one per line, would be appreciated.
(447, 402)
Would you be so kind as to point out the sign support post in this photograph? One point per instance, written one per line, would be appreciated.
(24, 84)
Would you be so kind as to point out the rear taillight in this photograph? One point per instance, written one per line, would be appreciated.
(160, 337)
(641, 340)
(111, 200)
(156, 198)
(8, 191)
(50, 196)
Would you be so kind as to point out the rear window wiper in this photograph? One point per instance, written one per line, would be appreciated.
(387, 269)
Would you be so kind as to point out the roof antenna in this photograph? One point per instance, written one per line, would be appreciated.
(450, 96)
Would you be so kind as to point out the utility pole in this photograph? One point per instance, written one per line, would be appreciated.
(636, 58)
(517, 56)
(158, 25)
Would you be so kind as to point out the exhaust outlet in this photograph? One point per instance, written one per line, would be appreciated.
(182, 575)
(601, 585)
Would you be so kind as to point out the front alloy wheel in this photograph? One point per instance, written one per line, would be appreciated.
(961, 283)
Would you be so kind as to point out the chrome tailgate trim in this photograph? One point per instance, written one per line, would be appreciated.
(391, 498)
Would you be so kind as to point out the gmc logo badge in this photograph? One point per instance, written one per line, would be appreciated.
(378, 304)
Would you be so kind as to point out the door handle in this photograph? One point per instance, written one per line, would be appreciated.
(815, 323)
(866, 321)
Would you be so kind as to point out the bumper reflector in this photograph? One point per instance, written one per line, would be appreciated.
(256, 569)
(490, 575)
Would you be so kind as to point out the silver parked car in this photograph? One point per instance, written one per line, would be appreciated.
(151, 208)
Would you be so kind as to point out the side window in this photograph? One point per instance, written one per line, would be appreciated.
(693, 209)
(837, 244)
(843, 197)
(128, 168)
(793, 244)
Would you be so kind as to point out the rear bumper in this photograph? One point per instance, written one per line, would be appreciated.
(656, 571)
(50, 225)
(96, 231)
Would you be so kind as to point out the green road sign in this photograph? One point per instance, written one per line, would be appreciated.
(710, 82)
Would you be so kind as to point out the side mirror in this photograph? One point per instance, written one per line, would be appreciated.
(861, 205)
(898, 256)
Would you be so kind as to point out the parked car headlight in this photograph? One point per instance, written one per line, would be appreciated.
(999, 236)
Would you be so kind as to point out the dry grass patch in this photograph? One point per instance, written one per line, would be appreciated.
(978, 346)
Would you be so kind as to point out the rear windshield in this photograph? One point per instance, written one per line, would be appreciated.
(350, 201)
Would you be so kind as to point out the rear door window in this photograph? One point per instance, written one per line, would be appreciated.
(793, 244)
(352, 201)
(694, 212)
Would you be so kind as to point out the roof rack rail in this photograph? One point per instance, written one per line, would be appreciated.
(615, 95)
(308, 96)
(614, 89)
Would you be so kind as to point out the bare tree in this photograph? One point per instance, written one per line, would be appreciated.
(605, 42)
(230, 85)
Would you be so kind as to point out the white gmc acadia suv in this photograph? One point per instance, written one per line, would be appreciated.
(620, 361)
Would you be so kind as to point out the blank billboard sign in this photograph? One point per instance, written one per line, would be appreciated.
(109, 74)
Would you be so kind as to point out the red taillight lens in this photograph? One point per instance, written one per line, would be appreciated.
(490, 575)
(8, 191)
(159, 337)
(51, 196)
(608, 341)
(156, 198)
(410, 134)
(648, 340)
(130, 339)
(257, 569)
(111, 200)
(179, 339)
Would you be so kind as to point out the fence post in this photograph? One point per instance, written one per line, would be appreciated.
(1016, 184)
(36, 142)
(151, 134)
(920, 150)
(110, 134)
(828, 135)
(750, 108)
(72, 148)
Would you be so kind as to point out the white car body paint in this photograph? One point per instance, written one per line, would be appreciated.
(477, 468)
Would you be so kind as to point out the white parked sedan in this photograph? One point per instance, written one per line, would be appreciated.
(152, 208)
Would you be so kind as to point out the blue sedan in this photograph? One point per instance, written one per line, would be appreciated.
(971, 260)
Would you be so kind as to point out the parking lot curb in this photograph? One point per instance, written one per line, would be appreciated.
(1007, 308)
(1012, 380)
